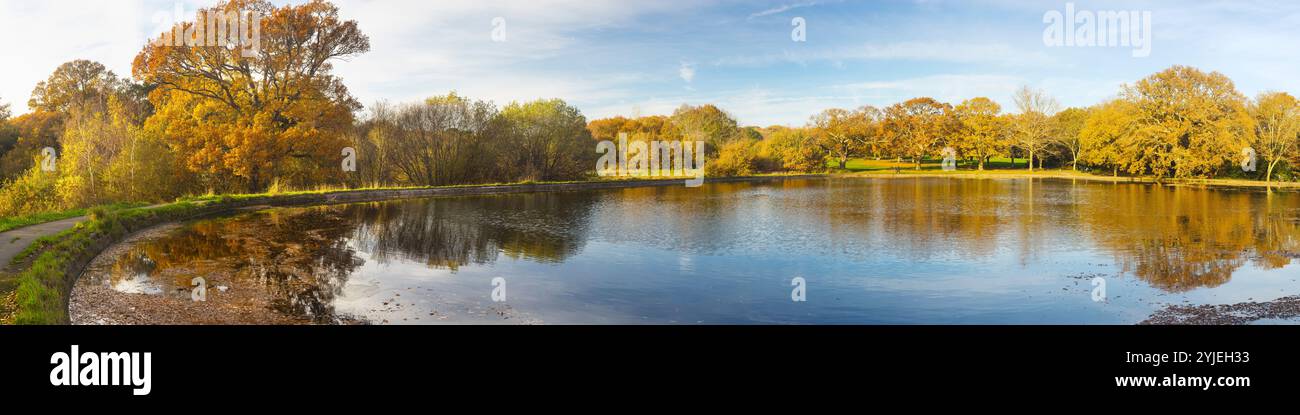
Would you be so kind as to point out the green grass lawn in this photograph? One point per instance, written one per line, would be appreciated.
(15, 222)
(870, 165)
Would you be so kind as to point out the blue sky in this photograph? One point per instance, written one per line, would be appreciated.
(618, 57)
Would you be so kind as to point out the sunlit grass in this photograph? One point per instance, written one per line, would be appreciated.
(1002, 167)
(15, 222)
(870, 165)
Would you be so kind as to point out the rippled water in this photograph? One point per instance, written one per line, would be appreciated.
(916, 250)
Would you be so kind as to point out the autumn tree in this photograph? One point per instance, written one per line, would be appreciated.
(1277, 129)
(795, 149)
(736, 158)
(1104, 135)
(32, 132)
(1066, 126)
(845, 134)
(1033, 125)
(917, 127)
(75, 86)
(280, 113)
(656, 127)
(706, 123)
(1188, 123)
(981, 130)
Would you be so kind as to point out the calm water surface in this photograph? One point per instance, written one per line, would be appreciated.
(922, 250)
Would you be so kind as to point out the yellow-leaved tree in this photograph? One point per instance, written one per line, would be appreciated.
(1277, 128)
(981, 131)
(1101, 140)
(1187, 123)
(242, 121)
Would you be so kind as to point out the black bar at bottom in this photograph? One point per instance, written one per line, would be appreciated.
(239, 363)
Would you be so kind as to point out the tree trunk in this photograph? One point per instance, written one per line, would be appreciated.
(1031, 161)
(1268, 178)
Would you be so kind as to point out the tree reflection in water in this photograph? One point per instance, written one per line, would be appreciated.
(304, 256)
(450, 232)
(1175, 239)
(1181, 238)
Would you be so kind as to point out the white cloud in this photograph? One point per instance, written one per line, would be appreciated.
(39, 36)
(686, 72)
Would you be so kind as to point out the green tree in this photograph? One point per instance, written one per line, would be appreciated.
(545, 140)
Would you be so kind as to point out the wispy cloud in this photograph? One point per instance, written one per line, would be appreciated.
(610, 57)
(783, 8)
(929, 51)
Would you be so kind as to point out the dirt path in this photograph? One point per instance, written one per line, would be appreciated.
(16, 240)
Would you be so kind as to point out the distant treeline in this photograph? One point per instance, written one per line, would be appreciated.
(194, 120)
(1179, 123)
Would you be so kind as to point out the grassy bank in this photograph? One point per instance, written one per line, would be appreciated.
(43, 287)
(1000, 168)
(15, 222)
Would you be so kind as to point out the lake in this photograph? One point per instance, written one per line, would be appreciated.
(854, 250)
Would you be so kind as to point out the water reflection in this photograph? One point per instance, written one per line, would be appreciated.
(449, 233)
(300, 258)
(1179, 239)
(876, 250)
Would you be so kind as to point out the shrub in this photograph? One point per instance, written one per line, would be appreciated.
(737, 158)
